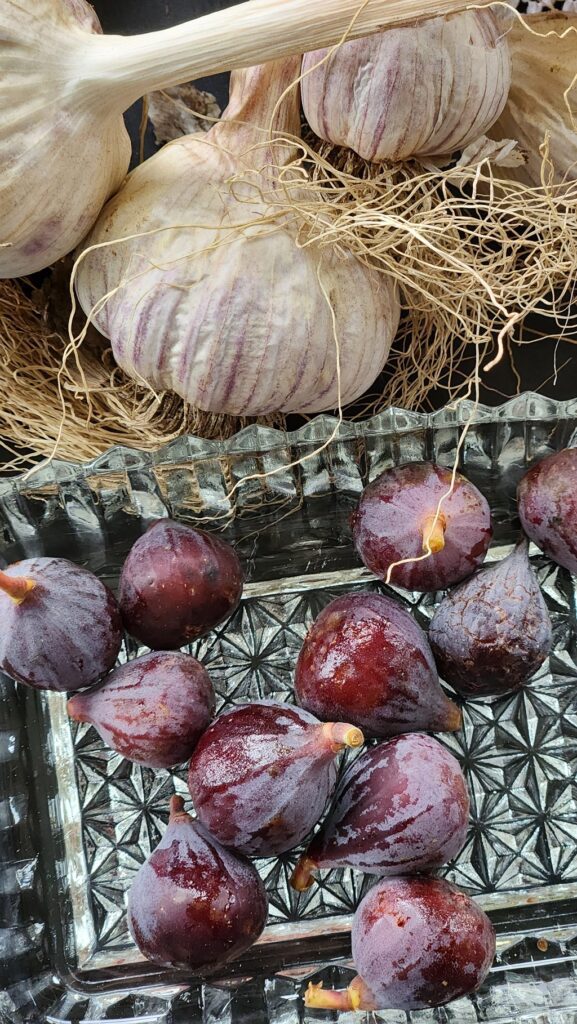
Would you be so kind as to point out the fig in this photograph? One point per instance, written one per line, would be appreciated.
(367, 661)
(547, 501)
(60, 626)
(492, 632)
(417, 943)
(401, 807)
(193, 904)
(262, 774)
(177, 584)
(153, 710)
(401, 516)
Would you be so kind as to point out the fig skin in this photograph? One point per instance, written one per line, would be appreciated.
(262, 774)
(194, 905)
(491, 634)
(417, 943)
(367, 661)
(153, 710)
(61, 630)
(177, 584)
(395, 517)
(547, 502)
(401, 807)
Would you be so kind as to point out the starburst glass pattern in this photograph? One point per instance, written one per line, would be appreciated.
(519, 754)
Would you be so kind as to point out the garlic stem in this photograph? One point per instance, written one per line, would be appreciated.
(252, 33)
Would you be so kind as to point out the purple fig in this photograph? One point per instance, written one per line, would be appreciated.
(493, 631)
(153, 710)
(417, 943)
(177, 584)
(193, 904)
(547, 499)
(60, 627)
(366, 660)
(399, 517)
(262, 773)
(401, 807)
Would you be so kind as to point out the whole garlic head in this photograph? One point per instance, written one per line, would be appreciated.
(233, 319)
(62, 153)
(428, 89)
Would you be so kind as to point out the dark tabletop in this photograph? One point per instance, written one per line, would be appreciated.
(535, 362)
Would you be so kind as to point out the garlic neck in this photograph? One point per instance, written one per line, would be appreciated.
(263, 109)
(266, 96)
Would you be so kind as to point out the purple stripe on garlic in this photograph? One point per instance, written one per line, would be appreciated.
(425, 90)
(221, 304)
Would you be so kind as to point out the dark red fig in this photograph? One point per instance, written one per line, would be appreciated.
(262, 773)
(60, 627)
(399, 517)
(366, 660)
(401, 807)
(493, 631)
(547, 499)
(417, 943)
(193, 904)
(153, 710)
(177, 584)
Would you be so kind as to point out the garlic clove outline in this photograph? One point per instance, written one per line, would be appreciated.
(424, 90)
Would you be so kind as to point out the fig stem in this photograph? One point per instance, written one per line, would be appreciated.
(75, 709)
(17, 587)
(454, 718)
(318, 998)
(302, 876)
(434, 533)
(176, 807)
(343, 734)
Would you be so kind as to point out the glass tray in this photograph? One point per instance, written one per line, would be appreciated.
(76, 820)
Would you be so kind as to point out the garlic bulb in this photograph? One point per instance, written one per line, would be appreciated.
(60, 157)
(544, 70)
(64, 86)
(233, 319)
(428, 89)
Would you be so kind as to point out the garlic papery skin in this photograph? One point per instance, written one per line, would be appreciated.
(424, 90)
(64, 86)
(542, 101)
(234, 319)
(59, 162)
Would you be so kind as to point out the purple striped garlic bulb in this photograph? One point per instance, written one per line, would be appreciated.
(210, 291)
(424, 90)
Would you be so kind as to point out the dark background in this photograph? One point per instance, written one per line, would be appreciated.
(535, 362)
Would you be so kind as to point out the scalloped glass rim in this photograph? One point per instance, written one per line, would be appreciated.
(528, 406)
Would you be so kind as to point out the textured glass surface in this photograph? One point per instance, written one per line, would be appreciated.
(76, 820)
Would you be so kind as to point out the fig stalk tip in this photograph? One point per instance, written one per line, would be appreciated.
(318, 998)
(343, 734)
(454, 718)
(302, 876)
(434, 533)
(176, 806)
(16, 587)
